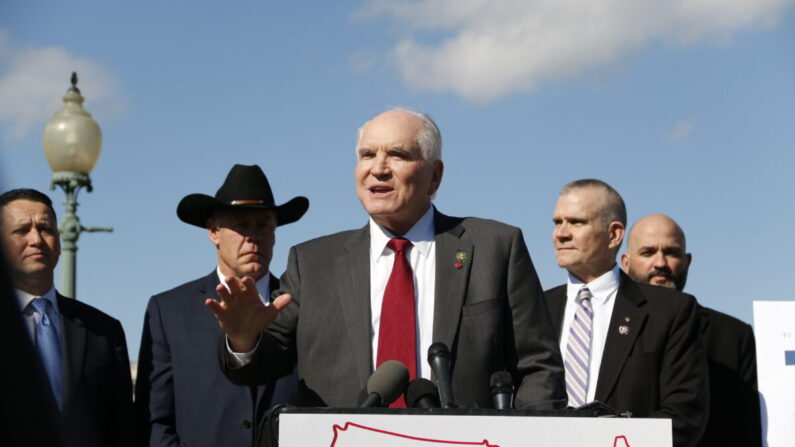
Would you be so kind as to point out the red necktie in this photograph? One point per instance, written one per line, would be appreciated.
(397, 334)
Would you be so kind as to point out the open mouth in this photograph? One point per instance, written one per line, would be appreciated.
(380, 190)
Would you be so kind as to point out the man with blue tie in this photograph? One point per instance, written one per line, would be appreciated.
(83, 351)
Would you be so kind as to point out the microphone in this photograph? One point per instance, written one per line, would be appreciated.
(422, 393)
(439, 359)
(386, 384)
(502, 390)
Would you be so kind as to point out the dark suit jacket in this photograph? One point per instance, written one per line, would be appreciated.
(490, 313)
(97, 406)
(734, 399)
(181, 395)
(659, 368)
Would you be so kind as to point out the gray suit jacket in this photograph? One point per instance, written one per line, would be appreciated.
(490, 313)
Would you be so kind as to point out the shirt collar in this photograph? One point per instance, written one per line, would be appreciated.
(263, 284)
(24, 298)
(601, 288)
(421, 236)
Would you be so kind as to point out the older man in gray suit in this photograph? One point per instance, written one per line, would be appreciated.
(409, 278)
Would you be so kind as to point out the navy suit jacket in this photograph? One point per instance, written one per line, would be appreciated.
(181, 395)
(97, 405)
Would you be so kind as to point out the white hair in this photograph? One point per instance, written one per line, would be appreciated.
(429, 138)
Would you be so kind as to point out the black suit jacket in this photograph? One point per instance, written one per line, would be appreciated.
(489, 311)
(97, 405)
(658, 369)
(181, 395)
(734, 399)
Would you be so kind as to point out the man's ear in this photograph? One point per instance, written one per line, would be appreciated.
(625, 262)
(212, 231)
(436, 180)
(689, 258)
(616, 232)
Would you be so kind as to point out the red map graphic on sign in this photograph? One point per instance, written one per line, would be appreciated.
(356, 434)
(361, 433)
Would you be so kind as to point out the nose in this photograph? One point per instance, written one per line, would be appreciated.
(561, 232)
(659, 260)
(35, 239)
(381, 165)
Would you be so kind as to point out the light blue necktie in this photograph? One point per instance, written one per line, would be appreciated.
(49, 346)
(579, 350)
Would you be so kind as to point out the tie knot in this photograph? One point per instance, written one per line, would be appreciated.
(41, 305)
(398, 244)
(584, 294)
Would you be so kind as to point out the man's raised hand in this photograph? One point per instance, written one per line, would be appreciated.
(241, 313)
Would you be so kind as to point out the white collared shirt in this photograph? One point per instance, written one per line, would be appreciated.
(30, 315)
(603, 289)
(422, 257)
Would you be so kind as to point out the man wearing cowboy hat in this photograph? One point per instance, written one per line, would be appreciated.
(409, 278)
(181, 394)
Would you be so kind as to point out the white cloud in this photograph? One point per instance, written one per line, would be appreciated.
(33, 80)
(681, 130)
(490, 48)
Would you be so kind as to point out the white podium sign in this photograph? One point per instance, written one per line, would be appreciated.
(384, 430)
(774, 328)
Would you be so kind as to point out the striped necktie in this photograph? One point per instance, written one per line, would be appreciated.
(578, 350)
(49, 346)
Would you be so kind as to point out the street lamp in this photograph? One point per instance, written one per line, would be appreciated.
(72, 142)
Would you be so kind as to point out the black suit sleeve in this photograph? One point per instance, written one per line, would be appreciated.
(154, 387)
(684, 391)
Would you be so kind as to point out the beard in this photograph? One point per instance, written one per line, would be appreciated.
(673, 281)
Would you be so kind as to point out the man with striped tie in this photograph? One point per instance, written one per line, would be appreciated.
(82, 350)
(634, 347)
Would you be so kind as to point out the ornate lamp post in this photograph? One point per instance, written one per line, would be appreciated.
(72, 142)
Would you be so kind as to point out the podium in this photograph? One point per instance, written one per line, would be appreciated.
(334, 427)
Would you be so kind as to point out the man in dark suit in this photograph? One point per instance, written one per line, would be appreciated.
(634, 347)
(657, 254)
(181, 394)
(409, 278)
(83, 350)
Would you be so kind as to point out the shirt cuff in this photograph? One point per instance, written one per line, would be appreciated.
(240, 359)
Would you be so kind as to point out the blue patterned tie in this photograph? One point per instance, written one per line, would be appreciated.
(578, 350)
(49, 346)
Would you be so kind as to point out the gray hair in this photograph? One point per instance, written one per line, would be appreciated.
(429, 138)
(615, 210)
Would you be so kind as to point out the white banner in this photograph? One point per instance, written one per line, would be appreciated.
(367, 430)
(774, 327)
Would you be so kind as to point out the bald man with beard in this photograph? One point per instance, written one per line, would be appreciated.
(657, 255)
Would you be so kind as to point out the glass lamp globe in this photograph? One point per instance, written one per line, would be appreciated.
(72, 139)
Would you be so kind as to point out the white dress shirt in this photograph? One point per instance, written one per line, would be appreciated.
(603, 289)
(32, 317)
(422, 257)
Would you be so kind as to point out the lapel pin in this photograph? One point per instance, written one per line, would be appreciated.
(623, 329)
(627, 319)
(460, 258)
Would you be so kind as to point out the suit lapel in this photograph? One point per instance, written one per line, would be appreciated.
(626, 323)
(352, 272)
(556, 304)
(207, 290)
(451, 282)
(73, 336)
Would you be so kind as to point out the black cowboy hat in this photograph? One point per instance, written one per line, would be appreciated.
(245, 187)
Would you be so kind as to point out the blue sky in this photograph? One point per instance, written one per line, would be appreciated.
(686, 108)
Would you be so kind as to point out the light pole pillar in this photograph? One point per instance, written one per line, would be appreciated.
(72, 142)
